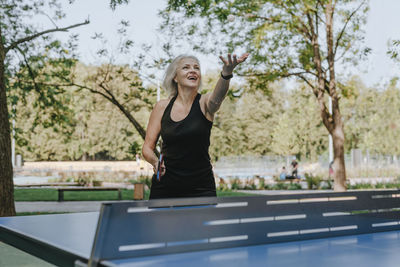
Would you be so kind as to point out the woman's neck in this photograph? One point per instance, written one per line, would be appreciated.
(186, 95)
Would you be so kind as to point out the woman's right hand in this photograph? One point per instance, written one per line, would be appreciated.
(162, 169)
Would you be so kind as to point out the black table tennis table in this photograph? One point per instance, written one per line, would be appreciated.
(318, 229)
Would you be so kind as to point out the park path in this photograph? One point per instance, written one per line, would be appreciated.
(53, 206)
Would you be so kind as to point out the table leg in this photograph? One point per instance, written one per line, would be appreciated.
(60, 195)
(119, 194)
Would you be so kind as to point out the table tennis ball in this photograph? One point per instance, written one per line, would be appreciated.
(231, 17)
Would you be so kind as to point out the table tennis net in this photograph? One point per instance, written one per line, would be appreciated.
(148, 228)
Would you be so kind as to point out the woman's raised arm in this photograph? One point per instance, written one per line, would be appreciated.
(214, 99)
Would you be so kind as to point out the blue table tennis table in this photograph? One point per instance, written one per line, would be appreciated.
(319, 229)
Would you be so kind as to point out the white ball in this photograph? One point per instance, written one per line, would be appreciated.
(231, 17)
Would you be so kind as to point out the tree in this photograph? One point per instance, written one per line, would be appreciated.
(298, 134)
(17, 39)
(394, 49)
(120, 84)
(363, 109)
(97, 128)
(304, 39)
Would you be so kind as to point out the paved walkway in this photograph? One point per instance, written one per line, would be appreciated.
(86, 206)
(50, 206)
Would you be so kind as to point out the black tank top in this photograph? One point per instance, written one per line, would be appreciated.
(185, 151)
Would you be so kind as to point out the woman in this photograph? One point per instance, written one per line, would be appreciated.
(184, 121)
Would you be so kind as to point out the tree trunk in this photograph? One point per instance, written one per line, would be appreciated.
(7, 207)
(336, 129)
(339, 167)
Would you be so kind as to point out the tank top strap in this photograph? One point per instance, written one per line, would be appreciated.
(196, 103)
(167, 110)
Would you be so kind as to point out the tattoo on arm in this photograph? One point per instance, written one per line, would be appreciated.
(217, 96)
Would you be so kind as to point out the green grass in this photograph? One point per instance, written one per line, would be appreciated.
(233, 194)
(52, 195)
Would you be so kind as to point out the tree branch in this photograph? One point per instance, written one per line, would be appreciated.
(316, 12)
(31, 37)
(2, 48)
(303, 29)
(345, 26)
(343, 54)
(70, 84)
(30, 71)
(50, 19)
(281, 75)
(93, 91)
(273, 20)
(135, 123)
(108, 91)
(307, 82)
(114, 101)
(334, 6)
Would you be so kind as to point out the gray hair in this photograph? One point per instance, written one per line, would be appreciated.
(168, 83)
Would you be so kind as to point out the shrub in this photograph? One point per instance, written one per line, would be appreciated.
(261, 184)
(235, 184)
(391, 185)
(97, 183)
(280, 186)
(268, 187)
(294, 186)
(313, 182)
(380, 185)
(82, 181)
(222, 185)
(326, 184)
(361, 186)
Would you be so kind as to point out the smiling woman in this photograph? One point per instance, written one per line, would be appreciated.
(184, 121)
(170, 81)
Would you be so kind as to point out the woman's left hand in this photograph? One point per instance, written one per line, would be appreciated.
(231, 63)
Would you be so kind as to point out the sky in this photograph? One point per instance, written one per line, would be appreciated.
(383, 24)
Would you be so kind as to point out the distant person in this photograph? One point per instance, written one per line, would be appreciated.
(138, 159)
(331, 171)
(295, 166)
(184, 121)
(283, 174)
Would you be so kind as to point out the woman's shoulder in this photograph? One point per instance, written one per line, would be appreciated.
(162, 104)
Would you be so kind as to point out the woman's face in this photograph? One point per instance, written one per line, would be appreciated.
(188, 73)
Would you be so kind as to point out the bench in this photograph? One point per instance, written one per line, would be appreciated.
(295, 180)
(61, 190)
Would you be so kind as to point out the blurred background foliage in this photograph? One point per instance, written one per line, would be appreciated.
(66, 110)
(275, 121)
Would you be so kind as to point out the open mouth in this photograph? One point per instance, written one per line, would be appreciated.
(192, 78)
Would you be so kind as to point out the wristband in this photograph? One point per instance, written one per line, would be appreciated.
(227, 77)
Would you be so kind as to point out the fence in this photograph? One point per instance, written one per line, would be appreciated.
(250, 166)
(358, 164)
